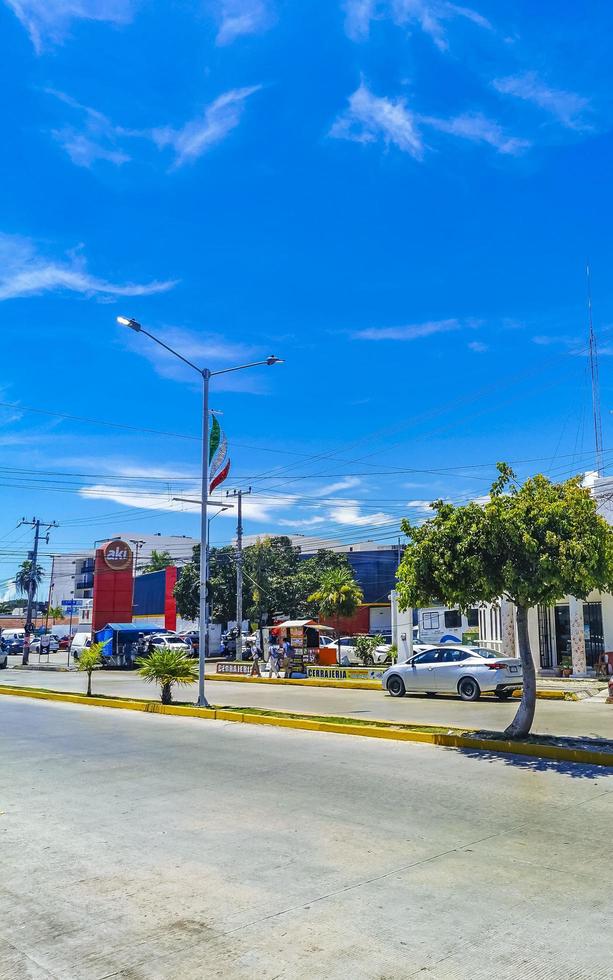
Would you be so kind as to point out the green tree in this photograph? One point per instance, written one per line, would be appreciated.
(187, 591)
(28, 578)
(90, 660)
(158, 561)
(56, 612)
(168, 667)
(532, 544)
(310, 573)
(338, 595)
(365, 647)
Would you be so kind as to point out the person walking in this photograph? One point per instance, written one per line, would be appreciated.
(287, 658)
(273, 660)
(255, 662)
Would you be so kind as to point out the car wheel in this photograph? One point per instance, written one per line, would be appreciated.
(430, 694)
(504, 695)
(369, 660)
(395, 686)
(468, 689)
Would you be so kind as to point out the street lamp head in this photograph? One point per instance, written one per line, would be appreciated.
(274, 360)
(129, 322)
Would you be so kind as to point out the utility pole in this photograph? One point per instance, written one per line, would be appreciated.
(49, 597)
(137, 544)
(36, 523)
(593, 349)
(239, 568)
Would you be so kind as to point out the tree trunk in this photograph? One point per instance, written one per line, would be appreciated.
(89, 684)
(338, 642)
(166, 693)
(522, 723)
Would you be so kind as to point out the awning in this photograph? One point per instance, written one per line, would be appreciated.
(289, 623)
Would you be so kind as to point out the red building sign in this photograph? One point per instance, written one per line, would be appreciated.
(113, 584)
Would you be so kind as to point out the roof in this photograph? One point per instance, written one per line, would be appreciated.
(132, 627)
(299, 622)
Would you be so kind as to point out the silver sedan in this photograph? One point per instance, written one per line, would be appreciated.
(467, 671)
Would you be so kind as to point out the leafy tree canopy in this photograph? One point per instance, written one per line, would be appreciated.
(158, 561)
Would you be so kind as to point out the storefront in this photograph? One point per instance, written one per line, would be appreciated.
(304, 638)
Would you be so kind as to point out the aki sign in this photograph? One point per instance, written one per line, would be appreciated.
(117, 555)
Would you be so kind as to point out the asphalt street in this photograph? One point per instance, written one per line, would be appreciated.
(592, 717)
(153, 848)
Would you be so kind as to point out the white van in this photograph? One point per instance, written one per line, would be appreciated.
(80, 641)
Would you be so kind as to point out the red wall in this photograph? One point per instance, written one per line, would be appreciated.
(170, 605)
(112, 594)
(350, 625)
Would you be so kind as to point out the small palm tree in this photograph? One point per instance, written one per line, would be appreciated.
(338, 595)
(167, 667)
(56, 612)
(28, 578)
(89, 661)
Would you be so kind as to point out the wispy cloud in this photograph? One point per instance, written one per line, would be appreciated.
(477, 347)
(431, 16)
(207, 349)
(370, 118)
(24, 272)
(240, 17)
(196, 137)
(93, 136)
(259, 510)
(50, 20)
(349, 512)
(478, 129)
(567, 107)
(413, 331)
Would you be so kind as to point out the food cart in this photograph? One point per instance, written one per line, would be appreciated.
(303, 635)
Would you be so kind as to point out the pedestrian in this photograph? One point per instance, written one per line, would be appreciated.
(287, 658)
(273, 660)
(141, 646)
(255, 662)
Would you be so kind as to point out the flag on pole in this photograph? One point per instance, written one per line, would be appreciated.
(219, 463)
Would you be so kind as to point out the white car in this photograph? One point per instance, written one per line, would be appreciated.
(170, 640)
(467, 671)
(53, 647)
(349, 657)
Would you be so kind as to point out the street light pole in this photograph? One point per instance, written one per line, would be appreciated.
(206, 376)
(203, 619)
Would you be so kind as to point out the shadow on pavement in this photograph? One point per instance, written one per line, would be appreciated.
(576, 770)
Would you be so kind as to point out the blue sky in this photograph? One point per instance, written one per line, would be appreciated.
(397, 197)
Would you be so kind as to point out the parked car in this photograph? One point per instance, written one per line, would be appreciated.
(64, 642)
(463, 670)
(192, 638)
(348, 652)
(172, 640)
(79, 642)
(54, 645)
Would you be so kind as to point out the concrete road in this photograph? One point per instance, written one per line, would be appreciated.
(158, 848)
(589, 718)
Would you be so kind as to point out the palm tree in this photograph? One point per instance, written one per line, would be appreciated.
(338, 595)
(56, 612)
(28, 578)
(89, 661)
(167, 667)
(158, 561)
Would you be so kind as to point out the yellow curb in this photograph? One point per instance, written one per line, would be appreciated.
(360, 685)
(388, 730)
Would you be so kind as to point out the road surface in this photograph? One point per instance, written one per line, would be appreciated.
(155, 848)
(591, 717)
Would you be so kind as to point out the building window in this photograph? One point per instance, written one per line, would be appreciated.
(545, 637)
(592, 628)
(453, 619)
(430, 620)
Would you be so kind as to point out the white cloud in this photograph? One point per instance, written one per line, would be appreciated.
(240, 17)
(411, 332)
(196, 137)
(50, 20)
(24, 272)
(370, 118)
(478, 129)
(345, 483)
(95, 137)
(567, 107)
(478, 347)
(349, 512)
(432, 16)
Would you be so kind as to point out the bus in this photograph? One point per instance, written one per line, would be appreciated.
(447, 624)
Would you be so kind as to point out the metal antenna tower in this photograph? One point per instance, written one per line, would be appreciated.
(595, 381)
